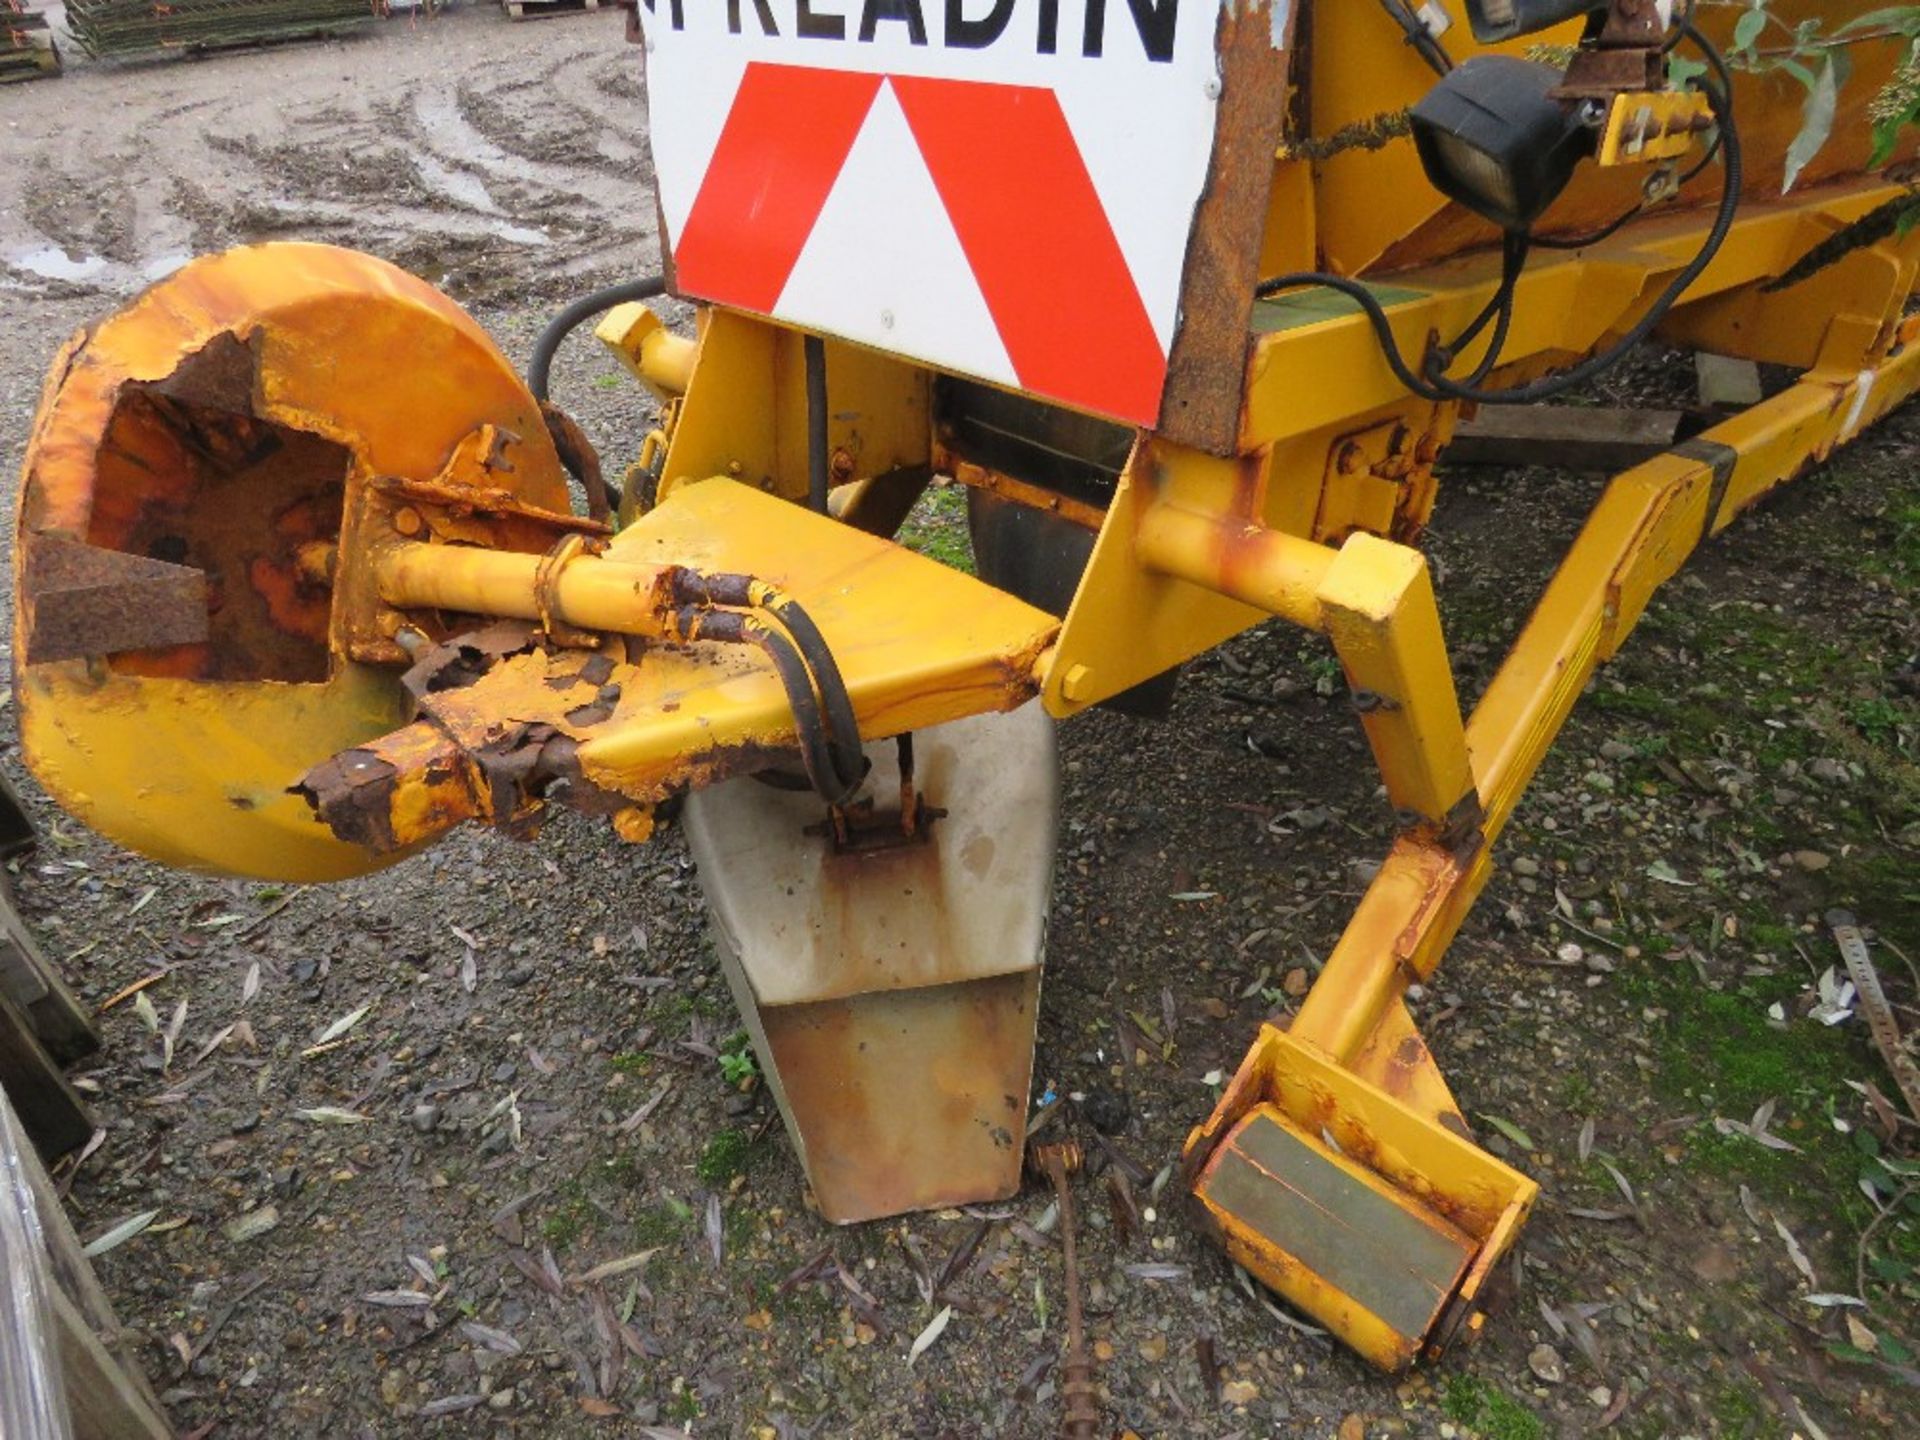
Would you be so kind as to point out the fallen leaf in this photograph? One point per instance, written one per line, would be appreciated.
(250, 987)
(1512, 1131)
(339, 1027)
(1552, 1317)
(149, 1017)
(935, 1328)
(128, 992)
(617, 1267)
(594, 1405)
(1586, 1139)
(170, 1037)
(1861, 1336)
(219, 1039)
(450, 1405)
(398, 1299)
(498, 1341)
(252, 1224)
(1625, 1189)
(120, 1234)
(1795, 1253)
(1156, 1271)
(332, 1115)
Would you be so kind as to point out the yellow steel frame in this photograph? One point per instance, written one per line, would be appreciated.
(1649, 520)
(1311, 517)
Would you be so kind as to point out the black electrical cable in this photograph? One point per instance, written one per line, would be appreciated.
(1607, 231)
(1437, 387)
(1732, 176)
(1513, 259)
(1497, 342)
(1501, 306)
(1425, 44)
(540, 366)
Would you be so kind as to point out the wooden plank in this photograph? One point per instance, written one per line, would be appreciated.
(1571, 437)
(108, 1396)
(16, 826)
(104, 1401)
(28, 979)
(49, 1108)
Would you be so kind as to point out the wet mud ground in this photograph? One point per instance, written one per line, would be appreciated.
(1643, 965)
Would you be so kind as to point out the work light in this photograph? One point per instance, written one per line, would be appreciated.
(1497, 20)
(1494, 139)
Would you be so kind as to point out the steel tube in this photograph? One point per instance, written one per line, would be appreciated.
(1269, 569)
(589, 592)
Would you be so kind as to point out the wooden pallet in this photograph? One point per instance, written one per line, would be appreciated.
(27, 51)
(42, 1025)
(546, 9)
(108, 1396)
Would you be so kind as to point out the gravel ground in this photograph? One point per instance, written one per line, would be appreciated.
(1642, 967)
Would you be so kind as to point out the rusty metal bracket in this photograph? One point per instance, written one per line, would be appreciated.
(79, 600)
(1873, 1002)
(860, 828)
(546, 583)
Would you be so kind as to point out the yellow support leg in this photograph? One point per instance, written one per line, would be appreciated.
(1351, 1065)
(1377, 604)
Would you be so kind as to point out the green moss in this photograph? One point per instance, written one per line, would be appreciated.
(724, 1158)
(1739, 1411)
(1719, 1056)
(937, 527)
(1489, 1411)
(709, 1004)
(631, 1062)
(567, 1220)
(1577, 1093)
(661, 1224)
(684, 1406)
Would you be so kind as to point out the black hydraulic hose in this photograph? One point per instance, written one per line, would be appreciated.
(816, 358)
(731, 627)
(843, 727)
(576, 452)
(540, 366)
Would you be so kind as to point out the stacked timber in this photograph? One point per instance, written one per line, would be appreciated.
(135, 27)
(67, 1369)
(540, 9)
(27, 51)
(42, 1026)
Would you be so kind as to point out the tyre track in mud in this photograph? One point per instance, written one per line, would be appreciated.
(432, 144)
